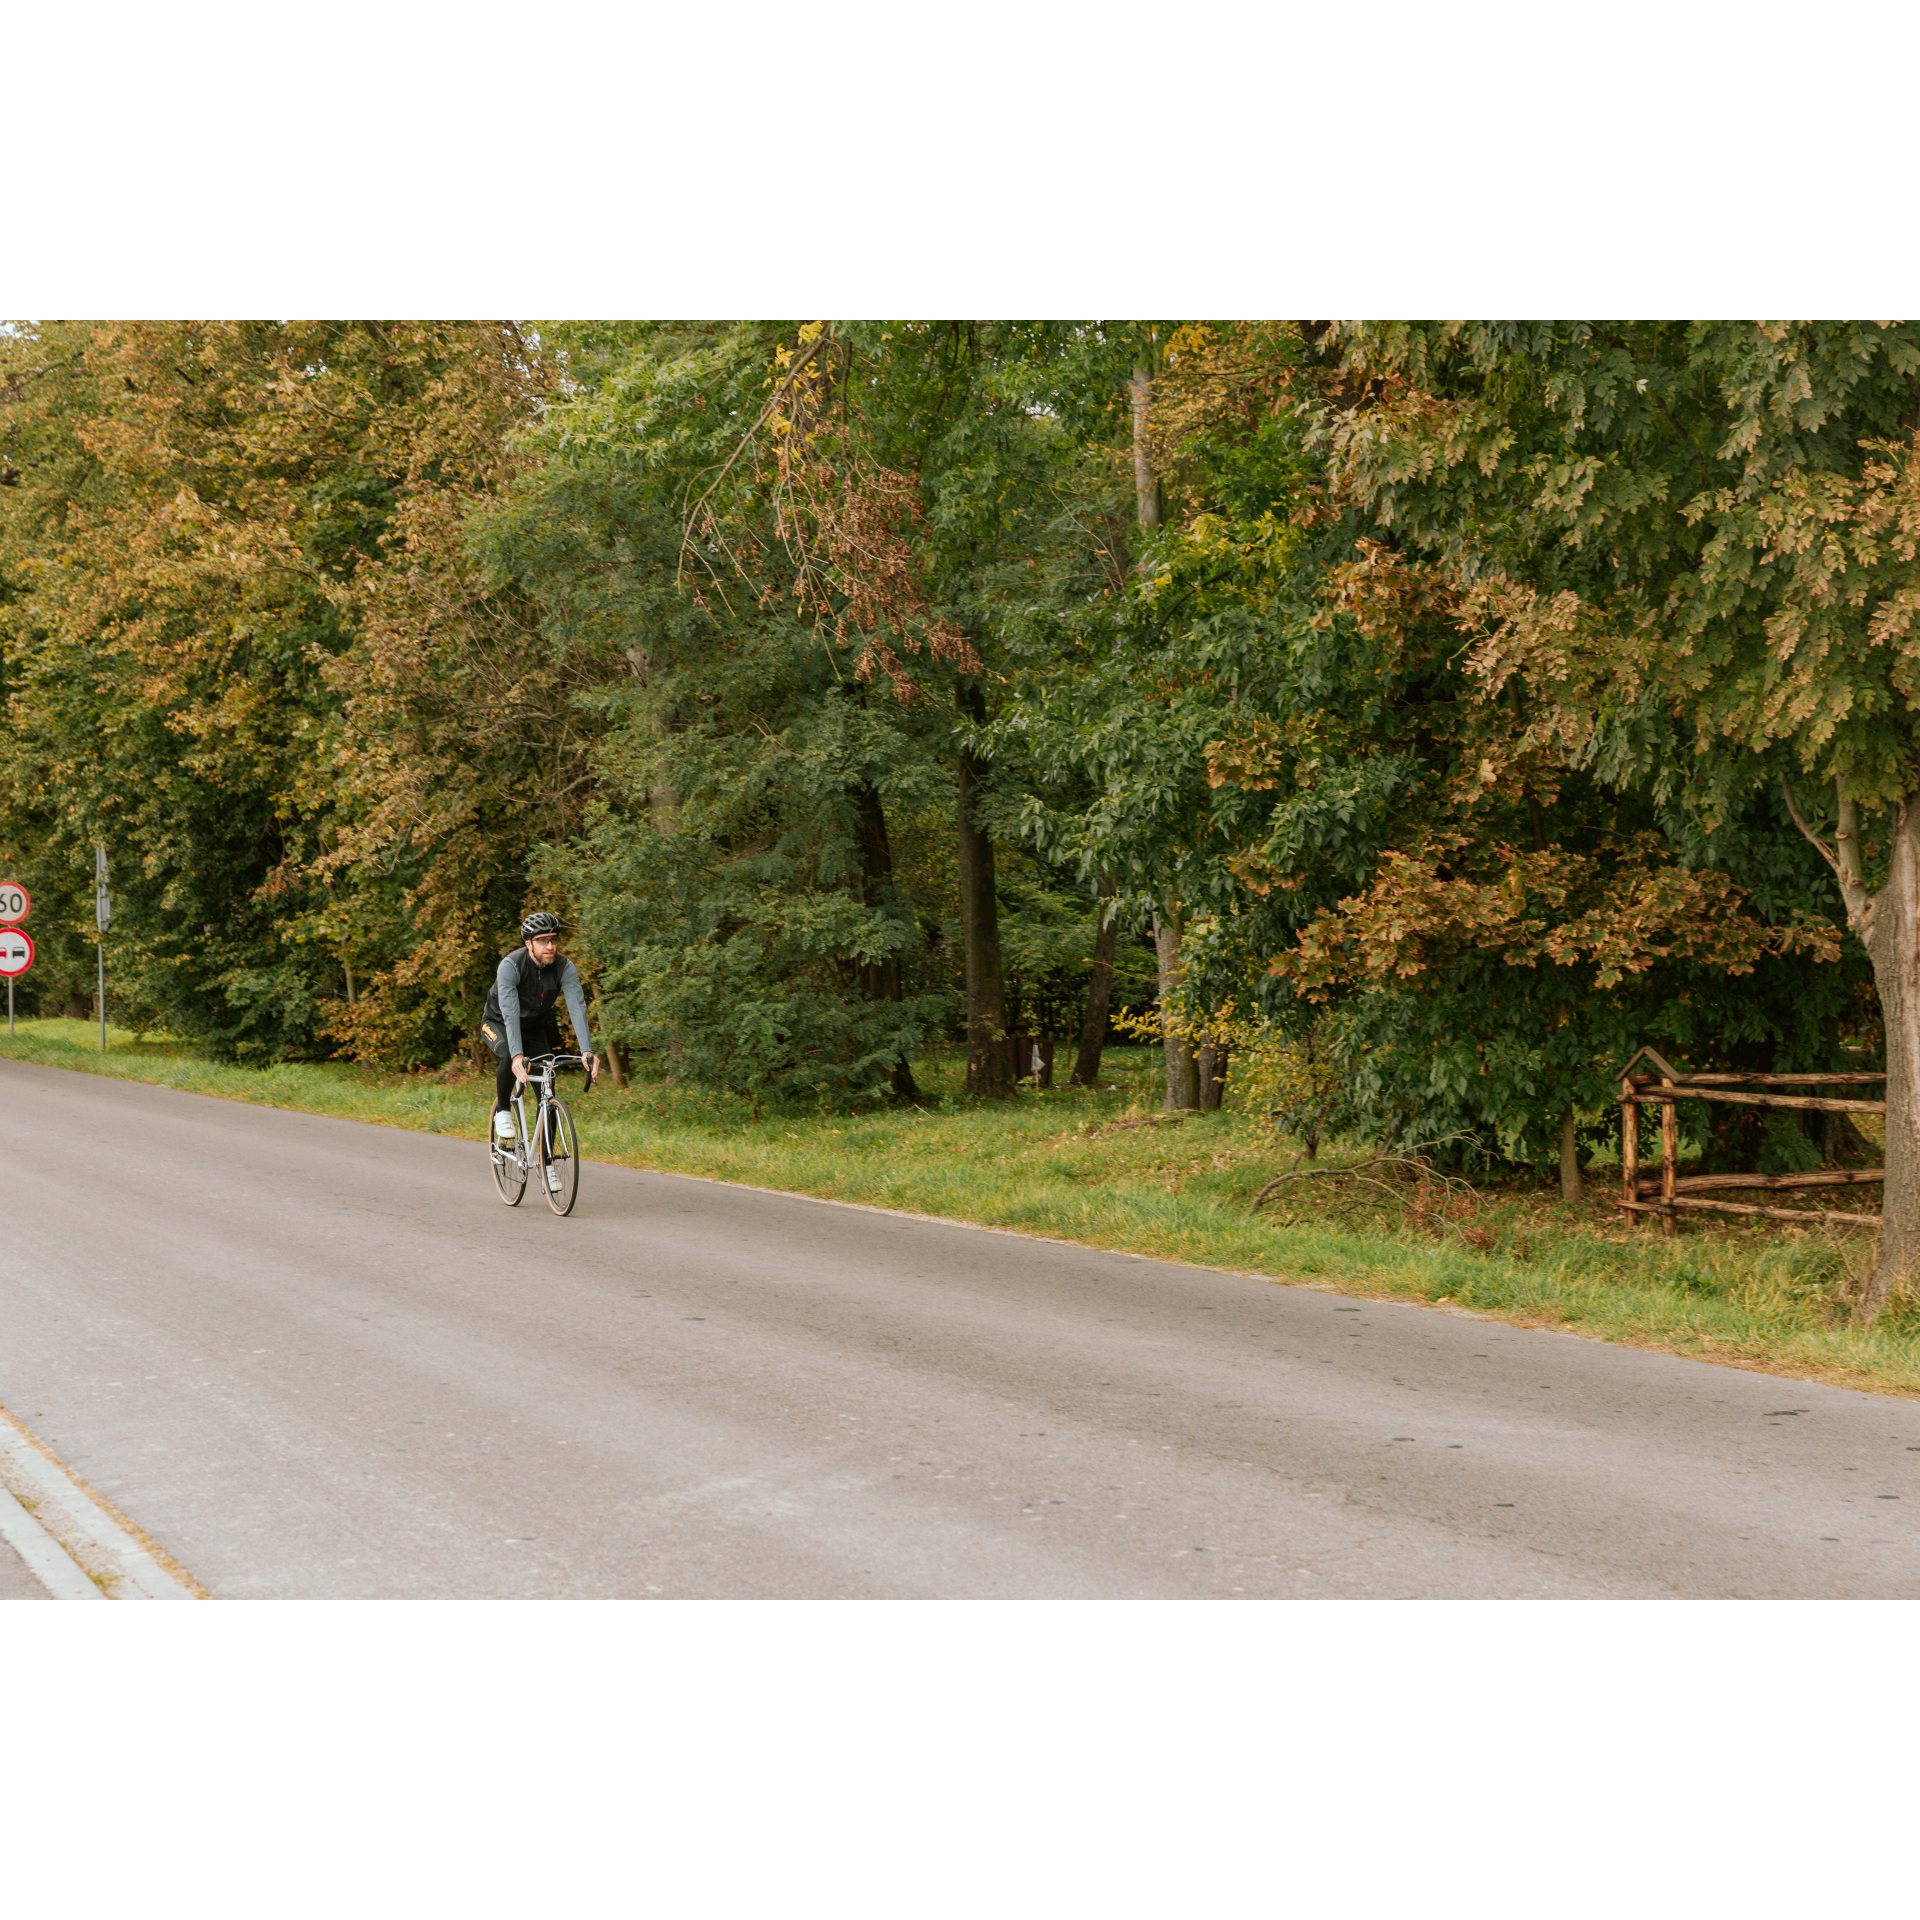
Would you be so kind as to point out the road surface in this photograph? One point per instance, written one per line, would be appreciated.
(16, 1581)
(313, 1358)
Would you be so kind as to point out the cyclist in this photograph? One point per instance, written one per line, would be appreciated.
(521, 1015)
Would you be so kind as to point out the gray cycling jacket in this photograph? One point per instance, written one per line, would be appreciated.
(522, 993)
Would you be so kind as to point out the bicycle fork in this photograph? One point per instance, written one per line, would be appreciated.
(537, 1143)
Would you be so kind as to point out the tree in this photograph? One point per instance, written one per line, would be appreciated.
(165, 553)
(463, 732)
(1183, 1072)
(951, 405)
(218, 540)
(735, 872)
(1270, 718)
(1077, 679)
(1691, 545)
(1142, 694)
(904, 470)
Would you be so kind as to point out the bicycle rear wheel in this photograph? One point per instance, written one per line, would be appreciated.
(509, 1173)
(559, 1159)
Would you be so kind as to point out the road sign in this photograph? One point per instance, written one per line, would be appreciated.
(102, 905)
(15, 902)
(16, 952)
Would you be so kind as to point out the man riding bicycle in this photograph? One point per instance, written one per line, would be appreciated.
(522, 1016)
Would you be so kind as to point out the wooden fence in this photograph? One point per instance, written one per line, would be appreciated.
(1671, 1194)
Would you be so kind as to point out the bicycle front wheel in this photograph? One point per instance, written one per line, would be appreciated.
(509, 1171)
(559, 1159)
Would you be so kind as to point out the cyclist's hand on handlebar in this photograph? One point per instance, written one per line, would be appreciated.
(520, 1068)
(592, 1065)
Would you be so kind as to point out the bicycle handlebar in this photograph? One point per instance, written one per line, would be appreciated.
(543, 1063)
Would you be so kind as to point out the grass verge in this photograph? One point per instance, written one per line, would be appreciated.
(1102, 1168)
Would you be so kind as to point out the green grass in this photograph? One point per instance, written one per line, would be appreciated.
(1097, 1167)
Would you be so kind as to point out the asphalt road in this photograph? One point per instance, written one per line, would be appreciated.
(16, 1577)
(314, 1358)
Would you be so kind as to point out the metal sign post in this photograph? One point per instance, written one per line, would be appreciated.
(15, 904)
(103, 918)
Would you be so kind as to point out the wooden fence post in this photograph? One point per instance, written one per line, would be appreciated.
(1630, 1147)
(1672, 1086)
(1669, 1157)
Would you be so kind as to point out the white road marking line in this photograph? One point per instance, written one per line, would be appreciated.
(46, 1559)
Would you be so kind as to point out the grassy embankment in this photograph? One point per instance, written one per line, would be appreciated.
(1100, 1168)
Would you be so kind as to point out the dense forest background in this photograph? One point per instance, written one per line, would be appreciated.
(1407, 721)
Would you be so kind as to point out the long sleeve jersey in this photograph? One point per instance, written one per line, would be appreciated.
(522, 991)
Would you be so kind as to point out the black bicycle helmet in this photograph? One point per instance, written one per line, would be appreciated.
(539, 923)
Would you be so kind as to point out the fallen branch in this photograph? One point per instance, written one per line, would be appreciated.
(1364, 1170)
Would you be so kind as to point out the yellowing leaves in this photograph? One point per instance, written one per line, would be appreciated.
(1620, 911)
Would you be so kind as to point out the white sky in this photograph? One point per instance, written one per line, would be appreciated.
(1036, 158)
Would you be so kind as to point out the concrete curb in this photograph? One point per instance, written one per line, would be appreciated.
(109, 1561)
(46, 1559)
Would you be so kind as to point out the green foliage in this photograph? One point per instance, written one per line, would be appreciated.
(739, 929)
(1270, 722)
(212, 535)
(160, 700)
(1443, 714)
(1687, 536)
(733, 876)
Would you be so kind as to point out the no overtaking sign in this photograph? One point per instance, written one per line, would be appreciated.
(16, 950)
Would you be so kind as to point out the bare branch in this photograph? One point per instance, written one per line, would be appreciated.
(1825, 852)
(801, 362)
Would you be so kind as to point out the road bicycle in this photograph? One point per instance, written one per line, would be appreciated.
(545, 1148)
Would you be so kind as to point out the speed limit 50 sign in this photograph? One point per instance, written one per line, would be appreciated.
(16, 952)
(15, 902)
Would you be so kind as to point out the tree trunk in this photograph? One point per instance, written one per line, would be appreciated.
(1093, 1029)
(1842, 1143)
(1570, 1187)
(1183, 1079)
(1210, 1069)
(880, 979)
(1147, 499)
(1888, 923)
(987, 1073)
(611, 1050)
(1892, 935)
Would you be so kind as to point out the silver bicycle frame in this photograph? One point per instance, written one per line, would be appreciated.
(540, 1078)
